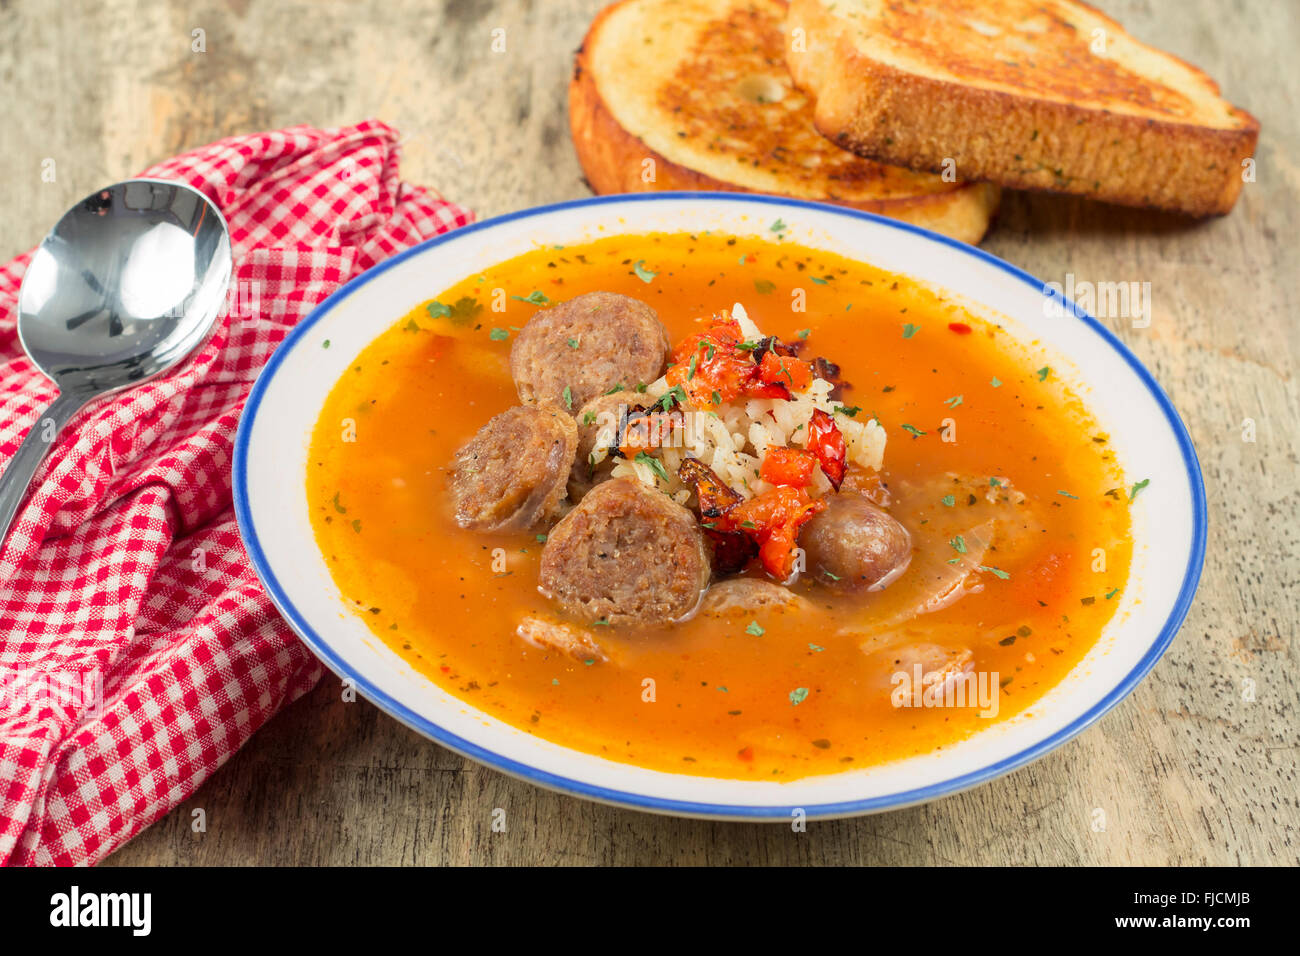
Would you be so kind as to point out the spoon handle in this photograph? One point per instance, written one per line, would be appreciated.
(18, 473)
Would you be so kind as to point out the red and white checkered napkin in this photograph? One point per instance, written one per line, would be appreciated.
(137, 650)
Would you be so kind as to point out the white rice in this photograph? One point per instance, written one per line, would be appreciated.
(733, 439)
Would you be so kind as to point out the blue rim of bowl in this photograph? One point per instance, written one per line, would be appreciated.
(1191, 575)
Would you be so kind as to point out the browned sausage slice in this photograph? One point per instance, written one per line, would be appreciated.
(511, 476)
(625, 555)
(588, 345)
(601, 414)
(853, 545)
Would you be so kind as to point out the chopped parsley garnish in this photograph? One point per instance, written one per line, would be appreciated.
(842, 410)
(764, 286)
(798, 696)
(338, 506)
(589, 418)
(804, 333)
(1110, 594)
(996, 572)
(654, 464)
(642, 273)
(778, 226)
(498, 335)
(754, 630)
(574, 343)
(460, 312)
(1042, 373)
(910, 330)
(916, 432)
(958, 544)
(1066, 494)
(674, 396)
(954, 401)
(541, 538)
(536, 297)
(996, 382)
(816, 648)
(995, 482)
(1133, 492)
(356, 525)
(325, 344)
(568, 397)
(690, 371)
(603, 622)
(948, 501)
(717, 397)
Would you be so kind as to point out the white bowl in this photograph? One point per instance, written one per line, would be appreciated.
(1168, 518)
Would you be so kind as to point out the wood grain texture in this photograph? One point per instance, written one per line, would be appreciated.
(1185, 770)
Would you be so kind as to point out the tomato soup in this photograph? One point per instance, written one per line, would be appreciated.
(993, 464)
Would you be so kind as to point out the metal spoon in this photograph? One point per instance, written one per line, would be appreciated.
(125, 286)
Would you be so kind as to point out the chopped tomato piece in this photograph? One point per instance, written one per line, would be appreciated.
(787, 466)
(783, 370)
(716, 372)
(773, 519)
(723, 329)
(961, 328)
(755, 389)
(712, 367)
(827, 443)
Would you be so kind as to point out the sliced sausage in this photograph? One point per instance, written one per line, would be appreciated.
(853, 545)
(625, 555)
(588, 345)
(601, 414)
(511, 476)
(748, 596)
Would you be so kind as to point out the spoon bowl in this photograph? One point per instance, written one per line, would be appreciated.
(126, 285)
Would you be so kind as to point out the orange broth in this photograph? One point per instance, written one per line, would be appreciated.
(768, 696)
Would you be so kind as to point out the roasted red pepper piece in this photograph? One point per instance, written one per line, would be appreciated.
(715, 498)
(788, 466)
(732, 550)
(773, 519)
(713, 367)
(646, 430)
(777, 369)
(827, 443)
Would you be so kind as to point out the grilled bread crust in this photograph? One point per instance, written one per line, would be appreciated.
(694, 94)
(1013, 92)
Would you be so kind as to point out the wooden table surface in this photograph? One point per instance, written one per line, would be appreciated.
(1186, 770)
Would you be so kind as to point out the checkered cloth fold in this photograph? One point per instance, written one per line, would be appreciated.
(137, 649)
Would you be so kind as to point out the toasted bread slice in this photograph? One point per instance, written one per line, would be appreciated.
(694, 94)
(1035, 94)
